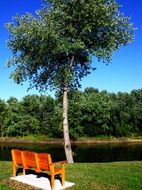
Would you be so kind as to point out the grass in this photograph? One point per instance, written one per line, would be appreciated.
(92, 176)
(98, 139)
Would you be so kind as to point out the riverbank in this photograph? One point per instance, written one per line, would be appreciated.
(98, 176)
(45, 140)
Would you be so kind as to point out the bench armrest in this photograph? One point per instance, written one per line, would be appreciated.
(60, 162)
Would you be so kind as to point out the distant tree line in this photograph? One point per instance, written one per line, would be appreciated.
(91, 113)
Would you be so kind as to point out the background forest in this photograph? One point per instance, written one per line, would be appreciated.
(91, 113)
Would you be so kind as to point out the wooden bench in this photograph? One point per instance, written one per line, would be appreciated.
(40, 162)
(17, 161)
(44, 163)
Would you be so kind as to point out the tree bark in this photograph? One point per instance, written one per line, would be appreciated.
(67, 142)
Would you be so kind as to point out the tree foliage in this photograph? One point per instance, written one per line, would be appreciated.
(55, 46)
(91, 113)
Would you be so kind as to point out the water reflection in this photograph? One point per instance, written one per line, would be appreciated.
(108, 153)
(57, 151)
(82, 153)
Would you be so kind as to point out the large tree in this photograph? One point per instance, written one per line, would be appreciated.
(53, 49)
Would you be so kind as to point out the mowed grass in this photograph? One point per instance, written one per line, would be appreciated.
(88, 176)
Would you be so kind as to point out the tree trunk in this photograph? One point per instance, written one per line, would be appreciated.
(67, 143)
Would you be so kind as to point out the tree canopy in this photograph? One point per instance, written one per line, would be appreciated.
(55, 47)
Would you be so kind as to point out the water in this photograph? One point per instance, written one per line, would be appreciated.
(82, 153)
(109, 153)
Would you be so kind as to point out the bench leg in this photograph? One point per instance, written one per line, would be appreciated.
(14, 168)
(52, 182)
(63, 175)
(63, 178)
(24, 171)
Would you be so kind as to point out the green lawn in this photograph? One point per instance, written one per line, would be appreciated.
(88, 176)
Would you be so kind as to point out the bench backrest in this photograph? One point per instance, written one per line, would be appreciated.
(17, 157)
(29, 160)
(43, 161)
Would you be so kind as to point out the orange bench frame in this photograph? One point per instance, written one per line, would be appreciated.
(40, 162)
(45, 164)
(17, 161)
(22, 159)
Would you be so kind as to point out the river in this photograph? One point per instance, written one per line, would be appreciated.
(81, 153)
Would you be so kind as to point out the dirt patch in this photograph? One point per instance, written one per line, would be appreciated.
(17, 185)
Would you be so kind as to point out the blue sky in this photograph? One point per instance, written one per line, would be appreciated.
(124, 74)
